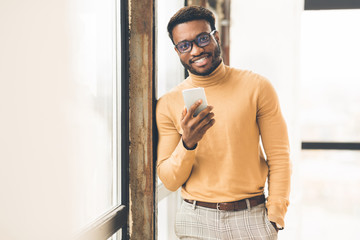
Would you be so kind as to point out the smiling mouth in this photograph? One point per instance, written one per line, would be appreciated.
(201, 61)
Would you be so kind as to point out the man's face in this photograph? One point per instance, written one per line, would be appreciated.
(200, 60)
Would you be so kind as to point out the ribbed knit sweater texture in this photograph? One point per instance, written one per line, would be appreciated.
(228, 163)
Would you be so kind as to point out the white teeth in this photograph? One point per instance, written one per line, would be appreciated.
(200, 60)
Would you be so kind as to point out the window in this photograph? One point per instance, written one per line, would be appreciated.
(60, 118)
(329, 113)
(96, 43)
(95, 69)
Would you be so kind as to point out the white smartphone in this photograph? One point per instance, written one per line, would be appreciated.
(192, 95)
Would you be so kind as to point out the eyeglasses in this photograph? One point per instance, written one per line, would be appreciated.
(201, 40)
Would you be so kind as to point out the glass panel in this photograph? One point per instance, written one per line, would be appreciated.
(330, 194)
(116, 236)
(94, 65)
(330, 76)
(330, 82)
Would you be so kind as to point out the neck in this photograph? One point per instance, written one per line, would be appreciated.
(214, 78)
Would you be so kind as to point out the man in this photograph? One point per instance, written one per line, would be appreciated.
(216, 156)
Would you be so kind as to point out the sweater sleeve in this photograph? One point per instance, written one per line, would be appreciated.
(175, 162)
(274, 137)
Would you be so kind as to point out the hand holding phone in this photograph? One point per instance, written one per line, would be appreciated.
(197, 118)
(192, 95)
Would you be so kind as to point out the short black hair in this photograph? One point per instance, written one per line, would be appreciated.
(190, 13)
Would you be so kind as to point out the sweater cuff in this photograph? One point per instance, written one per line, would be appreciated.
(183, 155)
(276, 211)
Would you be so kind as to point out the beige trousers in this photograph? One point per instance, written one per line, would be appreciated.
(195, 222)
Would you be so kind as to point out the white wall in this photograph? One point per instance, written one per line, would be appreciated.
(33, 141)
(264, 38)
(170, 72)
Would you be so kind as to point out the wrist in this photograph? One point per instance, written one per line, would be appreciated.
(191, 147)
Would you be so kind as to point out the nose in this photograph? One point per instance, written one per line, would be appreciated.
(196, 50)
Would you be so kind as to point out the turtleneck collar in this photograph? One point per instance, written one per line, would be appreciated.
(214, 78)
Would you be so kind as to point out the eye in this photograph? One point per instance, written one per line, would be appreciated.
(183, 46)
(204, 38)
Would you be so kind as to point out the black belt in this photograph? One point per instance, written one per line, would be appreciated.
(231, 206)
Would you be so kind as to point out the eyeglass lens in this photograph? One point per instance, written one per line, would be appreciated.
(202, 40)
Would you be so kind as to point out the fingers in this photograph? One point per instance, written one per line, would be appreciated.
(208, 125)
(204, 112)
(207, 119)
(194, 128)
(187, 116)
(207, 122)
(193, 108)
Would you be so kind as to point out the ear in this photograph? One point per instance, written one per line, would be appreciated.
(217, 37)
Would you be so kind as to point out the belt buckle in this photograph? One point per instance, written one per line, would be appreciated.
(218, 206)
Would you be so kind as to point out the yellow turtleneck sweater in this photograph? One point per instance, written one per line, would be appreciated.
(228, 164)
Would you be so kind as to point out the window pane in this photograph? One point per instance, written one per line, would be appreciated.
(330, 194)
(94, 42)
(330, 81)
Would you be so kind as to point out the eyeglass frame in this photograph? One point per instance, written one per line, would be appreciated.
(195, 41)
